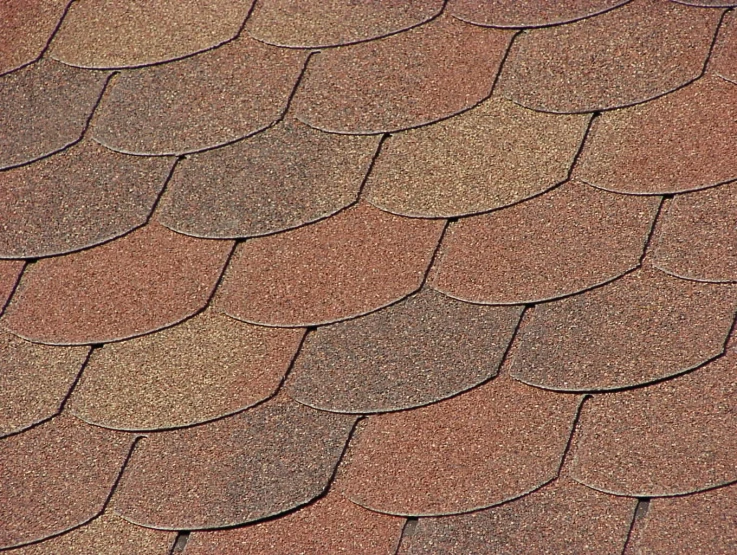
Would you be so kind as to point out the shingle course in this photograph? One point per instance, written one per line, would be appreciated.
(269, 225)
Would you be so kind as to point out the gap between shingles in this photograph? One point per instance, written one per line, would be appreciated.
(370, 169)
(638, 515)
(169, 176)
(408, 530)
(293, 361)
(435, 254)
(128, 457)
(16, 284)
(180, 543)
(513, 341)
(301, 77)
(581, 145)
(77, 378)
(572, 438)
(655, 228)
(714, 39)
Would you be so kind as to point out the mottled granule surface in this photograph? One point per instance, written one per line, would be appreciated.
(368, 278)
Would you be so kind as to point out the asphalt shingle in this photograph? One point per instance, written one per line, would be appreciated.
(352, 277)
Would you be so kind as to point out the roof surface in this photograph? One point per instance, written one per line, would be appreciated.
(362, 277)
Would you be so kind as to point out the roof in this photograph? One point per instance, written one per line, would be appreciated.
(384, 278)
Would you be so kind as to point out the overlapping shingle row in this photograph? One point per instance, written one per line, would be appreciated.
(339, 277)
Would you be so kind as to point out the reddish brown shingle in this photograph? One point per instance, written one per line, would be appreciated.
(309, 24)
(642, 327)
(111, 34)
(147, 280)
(55, 477)
(330, 525)
(25, 29)
(636, 52)
(418, 351)
(562, 518)
(680, 142)
(78, 198)
(699, 235)
(393, 83)
(45, 109)
(285, 177)
(700, 523)
(563, 242)
(494, 443)
(351, 264)
(397, 182)
(670, 438)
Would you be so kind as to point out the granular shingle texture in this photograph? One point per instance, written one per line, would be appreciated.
(641, 50)
(25, 29)
(699, 236)
(206, 367)
(536, 250)
(172, 108)
(352, 277)
(78, 198)
(108, 534)
(34, 381)
(700, 523)
(10, 271)
(528, 13)
(246, 467)
(673, 144)
(417, 351)
(308, 24)
(55, 477)
(494, 443)
(724, 61)
(332, 524)
(626, 333)
(111, 34)
(491, 156)
(670, 438)
(147, 280)
(393, 83)
(357, 261)
(560, 518)
(45, 109)
(285, 177)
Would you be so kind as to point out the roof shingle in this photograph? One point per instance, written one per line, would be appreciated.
(350, 276)
(639, 51)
